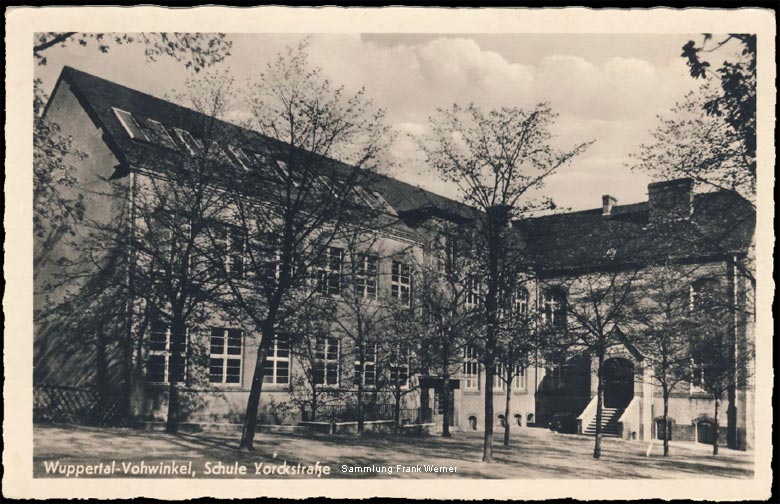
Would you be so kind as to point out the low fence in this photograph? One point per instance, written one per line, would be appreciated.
(79, 405)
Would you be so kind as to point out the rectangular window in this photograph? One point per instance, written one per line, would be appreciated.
(697, 378)
(450, 254)
(520, 303)
(498, 383)
(231, 246)
(167, 354)
(158, 134)
(471, 368)
(193, 146)
(367, 272)
(400, 367)
(401, 282)
(556, 376)
(520, 380)
(225, 359)
(216, 153)
(326, 368)
(473, 290)
(277, 363)
(240, 156)
(366, 371)
(167, 244)
(130, 125)
(329, 272)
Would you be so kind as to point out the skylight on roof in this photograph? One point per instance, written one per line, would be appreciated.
(192, 145)
(374, 200)
(159, 134)
(216, 153)
(130, 125)
(240, 156)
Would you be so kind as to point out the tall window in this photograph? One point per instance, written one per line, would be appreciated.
(472, 292)
(554, 308)
(231, 245)
(277, 363)
(326, 367)
(703, 296)
(400, 367)
(556, 375)
(166, 241)
(471, 368)
(520, 302)
(365, 371)
(520, 380)
(225, 360)
(450, 253)
(401, 282)
(366, 270)
(329, 272)
(167, 354)
(498, 375)
(697, 378)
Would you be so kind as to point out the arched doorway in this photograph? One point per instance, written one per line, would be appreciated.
(618, 382)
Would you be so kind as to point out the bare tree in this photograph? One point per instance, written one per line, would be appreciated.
(662, 329)
(497, 159)
(594, 306)
(450, 301)
(716, 365)
(301, 196)
(517, 339)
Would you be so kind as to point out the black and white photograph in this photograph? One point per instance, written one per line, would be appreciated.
(319, 251)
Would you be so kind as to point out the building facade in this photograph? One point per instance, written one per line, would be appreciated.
(710, 233)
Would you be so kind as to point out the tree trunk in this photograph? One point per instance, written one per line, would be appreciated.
(314, 404)
(397, 408)
(360, 422)
(731, 392)
(445, 428)
(487, 449)
(716, 427)
(599, 403)
(172, 422)
(253, 402)
(666, 419)
(424, 405)
(506, 408)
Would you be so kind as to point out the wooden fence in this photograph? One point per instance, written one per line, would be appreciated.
(79, 405)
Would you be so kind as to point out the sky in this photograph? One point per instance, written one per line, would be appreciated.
(606, 88)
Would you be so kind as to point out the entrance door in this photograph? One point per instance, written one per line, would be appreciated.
(618, 383)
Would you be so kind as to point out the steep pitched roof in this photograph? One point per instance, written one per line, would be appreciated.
(721, 223)
(100, 96)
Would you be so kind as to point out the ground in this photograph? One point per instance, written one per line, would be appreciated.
(533, 453)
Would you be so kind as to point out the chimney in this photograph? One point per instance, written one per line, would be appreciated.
(671, 200)
(607, 202)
